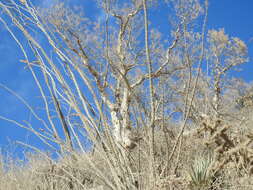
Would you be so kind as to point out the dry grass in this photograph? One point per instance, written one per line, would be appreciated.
(98, 170)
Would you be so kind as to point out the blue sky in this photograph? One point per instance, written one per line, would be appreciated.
(235, 16)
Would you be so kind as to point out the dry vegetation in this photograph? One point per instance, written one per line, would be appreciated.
(128, 107)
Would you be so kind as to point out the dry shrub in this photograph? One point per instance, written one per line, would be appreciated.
(92, 88)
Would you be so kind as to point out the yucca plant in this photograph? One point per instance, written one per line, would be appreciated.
(200, 174)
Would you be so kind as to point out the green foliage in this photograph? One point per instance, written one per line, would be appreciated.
(200, 172)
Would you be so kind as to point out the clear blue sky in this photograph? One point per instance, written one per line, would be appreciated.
(235, 16)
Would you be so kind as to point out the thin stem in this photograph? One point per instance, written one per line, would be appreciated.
(151, 89)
